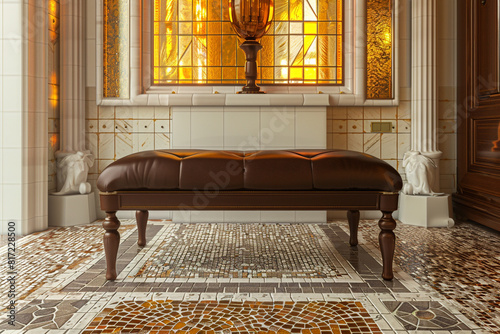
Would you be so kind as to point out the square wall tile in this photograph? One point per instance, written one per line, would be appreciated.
(241, 128)
(242, 216)
(181, 129)
(277, 126)
(12, 93)
(162, 141)
(12, 129)
(12, 172)
(106, 146)
(310, 129)
(207, 129)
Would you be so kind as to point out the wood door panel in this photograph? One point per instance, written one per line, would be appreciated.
(478, 135)
(487, 47)
(486, 141)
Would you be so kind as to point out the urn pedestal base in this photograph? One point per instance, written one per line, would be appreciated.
(425, 211)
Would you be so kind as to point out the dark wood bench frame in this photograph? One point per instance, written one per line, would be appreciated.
(352, 201)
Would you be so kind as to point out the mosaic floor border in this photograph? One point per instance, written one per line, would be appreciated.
(345, 272)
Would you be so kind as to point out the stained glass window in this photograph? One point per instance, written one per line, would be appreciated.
(379, 49)
(194, 44)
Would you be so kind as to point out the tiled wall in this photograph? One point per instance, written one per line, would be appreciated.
(23, 124)
(114, 132)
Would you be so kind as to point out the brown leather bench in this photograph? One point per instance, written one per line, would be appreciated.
(257, 180)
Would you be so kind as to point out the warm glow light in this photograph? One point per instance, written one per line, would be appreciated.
(53, 140)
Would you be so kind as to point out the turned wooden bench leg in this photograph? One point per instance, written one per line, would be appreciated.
(142, 221)
(387, 241)
(353, 218)
(111, 243)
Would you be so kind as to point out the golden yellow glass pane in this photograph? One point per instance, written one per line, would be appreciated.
(326, 73)
(240, 57)
(199, 75)
(156, 74)
(186, 73)
(340, 10)
(229, 73)
(241, 74)
(185, 28)
(379, 49)
(327, 11)
(229, 50)
(225, 11)
(339, 73)
(215, 28)
(310, 74)
(214, 11)
(185, 11)
(214, 75)
(227, 29)
(185, 44)
(156, 28)
(200, 10)
(296, 73)
(296, 10)
(214, 51)
(281, 10)
(267, 73)
(267, 53)
(200, 28)
(168, 74)
(310, 28)
(324, 50)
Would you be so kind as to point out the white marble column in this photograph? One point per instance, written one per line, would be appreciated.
(72, 122)
(74, 201)
(424, 82)
(422, 162)
(72, 98)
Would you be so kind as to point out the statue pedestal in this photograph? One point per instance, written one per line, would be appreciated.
(70, 210)
(426, 211)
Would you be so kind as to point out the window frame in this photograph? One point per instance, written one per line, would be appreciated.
(152, 67)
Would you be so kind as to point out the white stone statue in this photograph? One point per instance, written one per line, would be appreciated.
(421, 172)
(73, 170)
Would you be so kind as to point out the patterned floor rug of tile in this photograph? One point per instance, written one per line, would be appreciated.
(234, 317)
(239, 251)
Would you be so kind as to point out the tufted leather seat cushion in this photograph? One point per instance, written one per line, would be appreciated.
(255, 170)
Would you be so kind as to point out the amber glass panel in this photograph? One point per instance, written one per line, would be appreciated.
(116, 48)
(194, 43)
(379, 49)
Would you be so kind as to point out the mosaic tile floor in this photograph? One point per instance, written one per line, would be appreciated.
(257, 278)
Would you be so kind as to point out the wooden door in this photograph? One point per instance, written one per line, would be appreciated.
(478, 195)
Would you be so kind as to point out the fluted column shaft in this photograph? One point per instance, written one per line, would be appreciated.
(72, 118)
(424, 81)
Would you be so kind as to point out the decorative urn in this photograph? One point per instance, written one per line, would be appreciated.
(251, 19)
